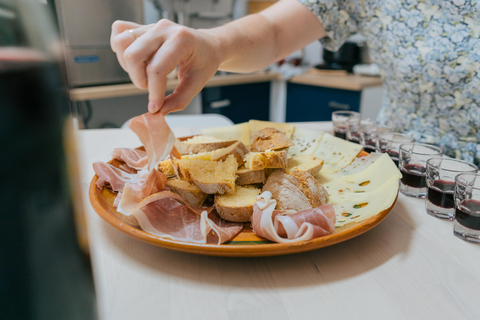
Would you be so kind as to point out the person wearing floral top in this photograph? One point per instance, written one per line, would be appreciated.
(428, 52)
(429, 56)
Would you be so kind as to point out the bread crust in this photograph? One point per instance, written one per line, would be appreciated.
(270, 139)
(266, 159)
(190, 193)
(236, 212)
(247, 176)
(286, 191)
(316, 194)
(237, 149)
(191, 148)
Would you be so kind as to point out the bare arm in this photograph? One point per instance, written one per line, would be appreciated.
(258, 40)
(149, 53)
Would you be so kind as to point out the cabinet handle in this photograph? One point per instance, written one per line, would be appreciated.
(338, 105)
(220, 104)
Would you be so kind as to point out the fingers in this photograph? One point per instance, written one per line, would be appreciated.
(167, 58)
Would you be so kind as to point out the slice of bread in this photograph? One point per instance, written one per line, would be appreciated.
(187, 190)
(198, 144)
(316, 194)
(266, 159)
(286, 190)
(306, 163)
(237, 149)
(238, 206)
(247, 176)
(270, 139)
(166, 166)
(210, 176)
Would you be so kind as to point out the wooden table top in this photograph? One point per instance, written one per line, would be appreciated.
(410, 266)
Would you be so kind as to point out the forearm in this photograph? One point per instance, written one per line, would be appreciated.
(256, 41)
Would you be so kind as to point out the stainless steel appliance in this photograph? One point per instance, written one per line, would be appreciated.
(85, 27)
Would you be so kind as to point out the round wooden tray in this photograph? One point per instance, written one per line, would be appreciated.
(245, 244)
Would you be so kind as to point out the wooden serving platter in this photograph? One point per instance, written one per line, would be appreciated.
(245, 244)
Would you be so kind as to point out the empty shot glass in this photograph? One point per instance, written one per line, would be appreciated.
(389, 142)
(339, 120)
(368, 136)
(467, 207)
(441, 174)
(412, 164)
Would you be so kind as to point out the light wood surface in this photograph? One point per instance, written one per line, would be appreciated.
(347, 82)
(410, 266)
(128, 89)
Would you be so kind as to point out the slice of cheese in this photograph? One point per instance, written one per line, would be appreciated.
(360, 207)
(336, 152)
(305, 140)
(360, 193)
(257, 125)
(236, 132)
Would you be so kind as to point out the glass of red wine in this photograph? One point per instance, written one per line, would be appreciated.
(389, 142)
(412, 164)
(355, 128)
(467, 207)
(368, 136)
(441, 174)
(339, 120)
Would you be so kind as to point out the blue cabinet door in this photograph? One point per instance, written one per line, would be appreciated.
(312, 103)
(239, 103)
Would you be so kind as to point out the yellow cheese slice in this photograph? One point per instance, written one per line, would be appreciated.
(337, 153)
(360, 207)
(236, 132)
(360, 193)
(256, 125)
(305, 140)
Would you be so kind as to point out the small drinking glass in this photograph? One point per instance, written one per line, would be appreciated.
(389, 142)
(467, 207)
(368, 136)
(339, 120)
(412, 163)
(441, 174)
(355, 128)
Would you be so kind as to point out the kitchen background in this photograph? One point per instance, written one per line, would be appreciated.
(85, 29)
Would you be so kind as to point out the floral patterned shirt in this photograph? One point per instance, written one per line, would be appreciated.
(428, 52)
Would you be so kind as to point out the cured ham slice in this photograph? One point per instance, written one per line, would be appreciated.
(284, 226)
(155, 135)
(115, 177)
(143, 185)
(167, 215)
(134, 158)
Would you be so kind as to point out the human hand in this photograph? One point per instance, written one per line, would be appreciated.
(148, 53)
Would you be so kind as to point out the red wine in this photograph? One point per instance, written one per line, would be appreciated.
(441, 194)
(413, 175)
(355, 138)
(369, 149)
(46, 274)
(340, 134)
(467, 214)
(393, 155)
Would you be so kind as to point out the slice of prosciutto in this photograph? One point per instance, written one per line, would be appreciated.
(166, 214)
(286, 226)
(143, 185)
(155, 135)
(133, 158)
(108, 174)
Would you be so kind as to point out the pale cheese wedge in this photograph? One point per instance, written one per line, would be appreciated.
(360, 207)
(305, 140)
(239, 131)
(336, 152)
(257, 125)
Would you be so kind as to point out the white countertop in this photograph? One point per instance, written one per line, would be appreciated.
(410, 266)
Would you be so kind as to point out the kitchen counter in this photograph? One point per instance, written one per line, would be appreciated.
(347, 82)
(410, 266)
(128, 89)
